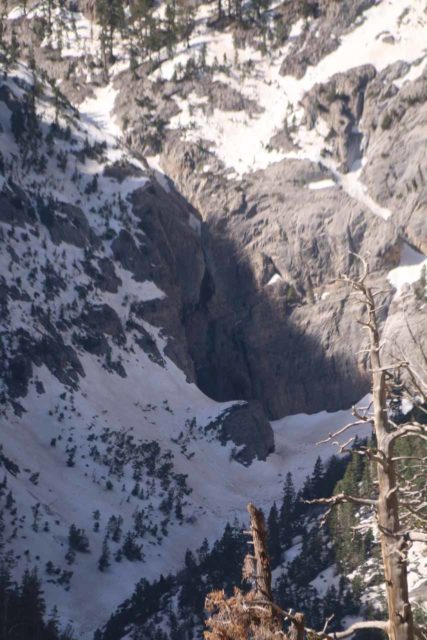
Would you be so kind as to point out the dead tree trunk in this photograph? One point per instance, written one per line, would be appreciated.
(263, 572)
(262, 561)
(396, 503)
(296, 631)
(397, 500)
(401, 625)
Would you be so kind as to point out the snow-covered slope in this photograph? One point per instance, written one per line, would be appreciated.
(386, 33)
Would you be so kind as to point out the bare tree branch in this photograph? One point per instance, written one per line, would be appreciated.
(342, 430)
(357, 626)
(343, 497)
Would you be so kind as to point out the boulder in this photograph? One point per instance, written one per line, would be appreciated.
(247, 426)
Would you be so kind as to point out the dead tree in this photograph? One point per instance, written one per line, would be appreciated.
(399, 505)
(253, 615)
(262, 569)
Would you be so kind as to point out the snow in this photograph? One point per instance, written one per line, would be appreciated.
(327, 578)
(195, 224)
(16, 13)
(276, 278)
(386, 16)
(417, 577)
(162, 180)
(297, 28)
(98, 111)
(221, 487)
(295, 436)
(409, 269)
(352, 185)
(321, 184)
(241, 141)
(293, 552)
(311, 144)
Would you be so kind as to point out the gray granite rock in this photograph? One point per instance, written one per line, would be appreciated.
(247, 426)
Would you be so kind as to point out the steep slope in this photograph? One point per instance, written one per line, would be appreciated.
(92, 404)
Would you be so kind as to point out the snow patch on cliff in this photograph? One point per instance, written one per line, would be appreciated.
(409, 269)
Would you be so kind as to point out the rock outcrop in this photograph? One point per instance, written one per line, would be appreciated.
(260, 329)
(247, 427)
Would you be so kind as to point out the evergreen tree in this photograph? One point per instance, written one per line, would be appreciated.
(143, 24)
(111, 18)
(96, 520)
(31, 605)
(77, 539)
(273, 528)
(348, 543)
(396, 396)
(131, 549)
(6, 595)
(104, 558)
(287, 512)
(52, 626)
(185, 19)
(171, 35)
(317, 478)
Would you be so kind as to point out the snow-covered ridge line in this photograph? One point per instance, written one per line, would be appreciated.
(242, 142)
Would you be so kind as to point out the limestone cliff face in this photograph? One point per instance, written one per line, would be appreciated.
(272, 323)
(269, 321)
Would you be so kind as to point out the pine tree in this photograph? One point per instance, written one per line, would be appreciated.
(396, 396)
(144, 27)
(287, 512)
(420, 287)
(131, 549)
(96, 520)
(171, 36)
(104, 558)
(111, 18)
(316, 481)
(77, 539)
(5, 596)
(52, 626)
(273, 527)
(185, 19)
(13, 52)
(31, 605)
(203, 552)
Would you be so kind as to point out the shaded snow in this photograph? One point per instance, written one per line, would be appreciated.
(327, 578)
